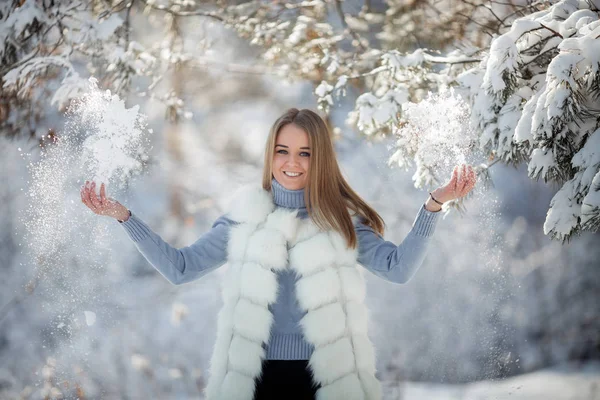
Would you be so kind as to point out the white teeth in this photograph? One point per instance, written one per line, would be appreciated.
(291, 173)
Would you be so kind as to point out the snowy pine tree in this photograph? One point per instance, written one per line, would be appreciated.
(536, 98)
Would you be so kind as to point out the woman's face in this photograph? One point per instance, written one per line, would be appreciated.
(291, 157)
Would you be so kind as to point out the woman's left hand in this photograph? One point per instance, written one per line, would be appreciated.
(462, 181)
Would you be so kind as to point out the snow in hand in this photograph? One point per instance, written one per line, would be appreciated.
(436, 133)
(113, 134)
(102, 140)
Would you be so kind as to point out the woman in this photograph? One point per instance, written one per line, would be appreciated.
(293, 324)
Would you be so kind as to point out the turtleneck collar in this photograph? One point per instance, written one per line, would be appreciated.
(287, 198)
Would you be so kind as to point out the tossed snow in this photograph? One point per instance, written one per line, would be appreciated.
(437, 135)
(102, 141)
(90, 318)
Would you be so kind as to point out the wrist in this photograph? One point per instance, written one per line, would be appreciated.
(123, 215)
(438, 194)
(432, 206)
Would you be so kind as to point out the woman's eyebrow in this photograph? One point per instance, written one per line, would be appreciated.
(302, 148)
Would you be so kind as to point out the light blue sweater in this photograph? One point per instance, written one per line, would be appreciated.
(393, 263)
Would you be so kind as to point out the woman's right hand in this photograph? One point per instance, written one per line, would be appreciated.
(102, 205)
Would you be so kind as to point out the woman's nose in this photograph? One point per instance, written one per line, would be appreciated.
(293, 160)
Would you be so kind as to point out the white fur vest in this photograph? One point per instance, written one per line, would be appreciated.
(330, 289)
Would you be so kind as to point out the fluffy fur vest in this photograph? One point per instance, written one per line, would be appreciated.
(330, 288)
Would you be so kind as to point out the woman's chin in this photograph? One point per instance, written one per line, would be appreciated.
(294, 187)
(292, 184)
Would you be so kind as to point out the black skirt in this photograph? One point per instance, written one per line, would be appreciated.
(285, 379)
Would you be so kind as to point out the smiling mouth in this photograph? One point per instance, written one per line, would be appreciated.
(292, 174)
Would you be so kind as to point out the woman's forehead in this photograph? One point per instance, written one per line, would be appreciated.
(292, 135)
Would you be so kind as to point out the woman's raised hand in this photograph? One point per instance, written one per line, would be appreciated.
(462, 181)
(102, 205)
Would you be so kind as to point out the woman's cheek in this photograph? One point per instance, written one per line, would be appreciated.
(277, 161)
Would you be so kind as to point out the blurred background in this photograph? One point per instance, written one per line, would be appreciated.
(497, 310)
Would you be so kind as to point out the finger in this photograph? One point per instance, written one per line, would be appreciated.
(454, 180)
(102, 193)
(470, 181)
(460, 174)
(462, 188)
(464, 180)
(86, 198)
(468, 175)
(86, 193)
(93, 196)
(473, 177)
(467, 172)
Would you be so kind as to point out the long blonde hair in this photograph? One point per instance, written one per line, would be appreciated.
(327, 195)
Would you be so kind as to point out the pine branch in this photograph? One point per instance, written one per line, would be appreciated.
(594, 87)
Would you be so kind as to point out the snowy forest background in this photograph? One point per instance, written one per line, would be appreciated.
(506, 302)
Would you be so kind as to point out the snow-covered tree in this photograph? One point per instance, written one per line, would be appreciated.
(49, 49)
(536, 99)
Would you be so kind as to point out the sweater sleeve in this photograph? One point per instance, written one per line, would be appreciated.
(186, 264)
(393, 263)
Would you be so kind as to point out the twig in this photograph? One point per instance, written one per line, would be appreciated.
(303, 4)
(445, 60)
(552, 30)
(356, 36)
(183, 13)
(501, 21)
(372, 72)
(485, 28)
(234, 68)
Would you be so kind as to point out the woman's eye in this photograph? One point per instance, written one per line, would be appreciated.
(303, 154)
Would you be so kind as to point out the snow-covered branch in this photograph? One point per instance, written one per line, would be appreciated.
(535, 97)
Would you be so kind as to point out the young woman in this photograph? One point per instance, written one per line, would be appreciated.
(293, 324)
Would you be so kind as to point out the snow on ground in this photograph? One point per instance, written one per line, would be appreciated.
(565, 382)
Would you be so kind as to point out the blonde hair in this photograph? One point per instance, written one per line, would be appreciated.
(327, 195)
